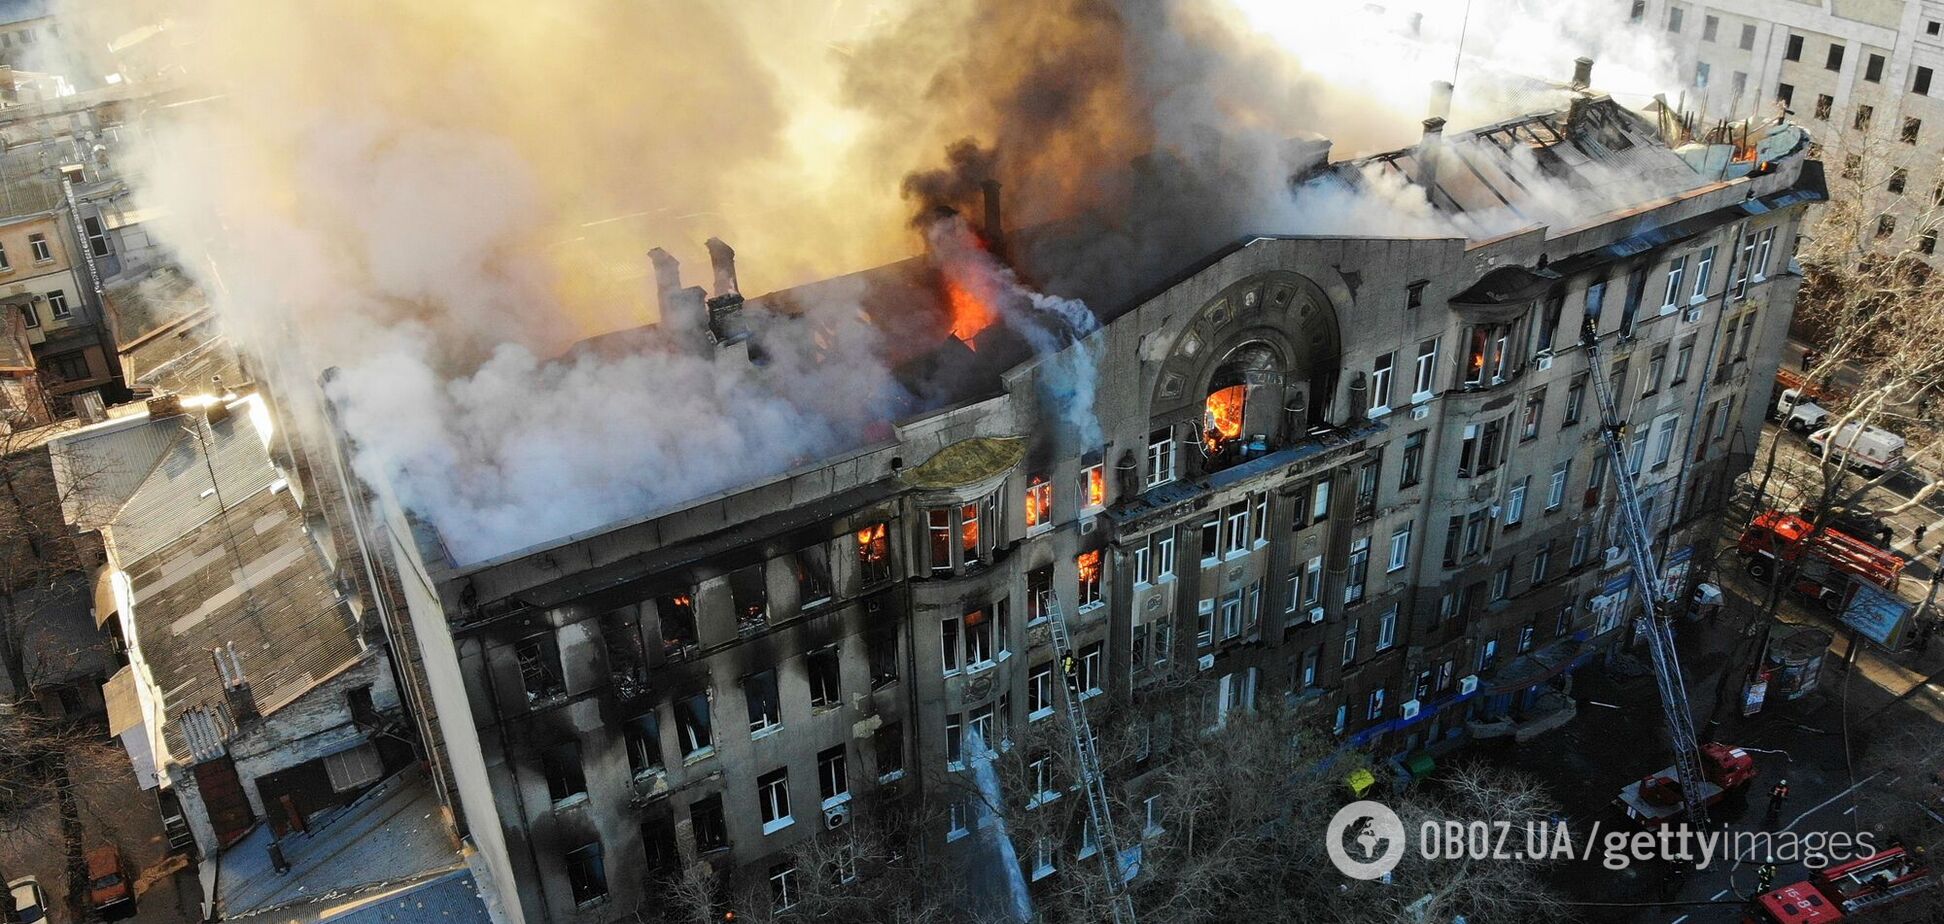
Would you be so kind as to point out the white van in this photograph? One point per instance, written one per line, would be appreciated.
(1872, 449)
(1800, 414)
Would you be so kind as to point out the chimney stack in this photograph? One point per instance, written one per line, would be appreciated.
(668, 279)
(1428, 152)
(726, 325)
(723, 258)
(995, 231)
(1440, 99)
(236, 687)
(1582, 73)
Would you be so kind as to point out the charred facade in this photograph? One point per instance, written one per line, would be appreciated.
(1359, 476)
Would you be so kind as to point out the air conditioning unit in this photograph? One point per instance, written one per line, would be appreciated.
(1086, 526)
(1409, 710)
(1316, 614)
(837, 816)
(1420, 412)
(1205, 662)
(1544, 361)
(1614, 555)
(1468, 684)
(873, 607)
(1691, 315)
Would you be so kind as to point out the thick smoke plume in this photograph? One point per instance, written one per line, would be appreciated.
(440, 199)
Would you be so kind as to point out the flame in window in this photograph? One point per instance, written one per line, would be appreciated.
(871, 543)
(969, 530)
(1222, 422)
(1096, 486)
(1088, 564)
(1039, 501)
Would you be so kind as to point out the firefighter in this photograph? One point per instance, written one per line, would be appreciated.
(1765, 878)
(1071, 666)
(1777, 796)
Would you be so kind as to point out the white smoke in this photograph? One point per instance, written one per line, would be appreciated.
(438, 200)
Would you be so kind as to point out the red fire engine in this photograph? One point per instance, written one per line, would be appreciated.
(1840, 892)
(1816, 562)
(1658, 799)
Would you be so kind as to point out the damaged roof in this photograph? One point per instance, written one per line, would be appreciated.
(1595, 147)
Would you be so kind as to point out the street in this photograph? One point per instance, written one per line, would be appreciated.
(1820, 743)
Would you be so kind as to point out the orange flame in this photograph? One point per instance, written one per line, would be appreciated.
(970, 314)
(1039, 501)
(1088, 564)
(871, 545)
(1223, 420)
(1096, 486)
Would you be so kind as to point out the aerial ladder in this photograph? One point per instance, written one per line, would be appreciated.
(1087, 759)
(1637, 539)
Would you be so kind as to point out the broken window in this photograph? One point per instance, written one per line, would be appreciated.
(707, 824)
(658, 842)
(813, 574)
(677, 624)
(969, 533)
(823, 669)
(750, 596)
(540, 674)
(938, 526)
(833, 776)
(1630, 309)
(1367, 478)
(1039, 692)
(565, 780)
(1039, 594)
(626, 656)
(759, 692)
(692, 724)
(978, 639)
(773, 796)
(1087, 564)
(874, 553)
(888, 742)
(586, 874)
(644, 744)
(1039, 502)
(1093, 482)
(948, 644)
(881, 646)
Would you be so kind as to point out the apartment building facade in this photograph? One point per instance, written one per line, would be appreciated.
(1360, 476)
(1860, 75)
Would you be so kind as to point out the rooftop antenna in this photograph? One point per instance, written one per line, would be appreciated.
(1457, 59)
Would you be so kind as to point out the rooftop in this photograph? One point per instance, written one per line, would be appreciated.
(216, 553)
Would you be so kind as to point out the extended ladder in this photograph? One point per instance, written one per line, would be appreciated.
(1634, 532)
(1087, 759)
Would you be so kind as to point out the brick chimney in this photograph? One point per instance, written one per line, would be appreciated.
(236, 687)
(726, 324)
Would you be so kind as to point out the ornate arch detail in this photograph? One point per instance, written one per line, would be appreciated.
(1287, 313)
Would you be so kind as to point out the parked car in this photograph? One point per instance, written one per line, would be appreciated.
(30, 903)
(111, 887)
(1798, 413)
(1872, 449)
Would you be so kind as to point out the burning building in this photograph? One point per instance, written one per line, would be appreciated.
(1357, 475)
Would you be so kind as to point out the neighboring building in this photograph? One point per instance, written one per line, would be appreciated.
(1863, 76)
(248, 694)
(23, 405)
(38, 277)
(29, 34)
(1360, 475)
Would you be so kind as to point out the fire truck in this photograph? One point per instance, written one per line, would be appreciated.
(1844, 892)
(1817, 563)
(1659, 799)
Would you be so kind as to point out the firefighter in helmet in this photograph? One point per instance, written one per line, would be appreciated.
(1765, 878)
(1778, 795)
